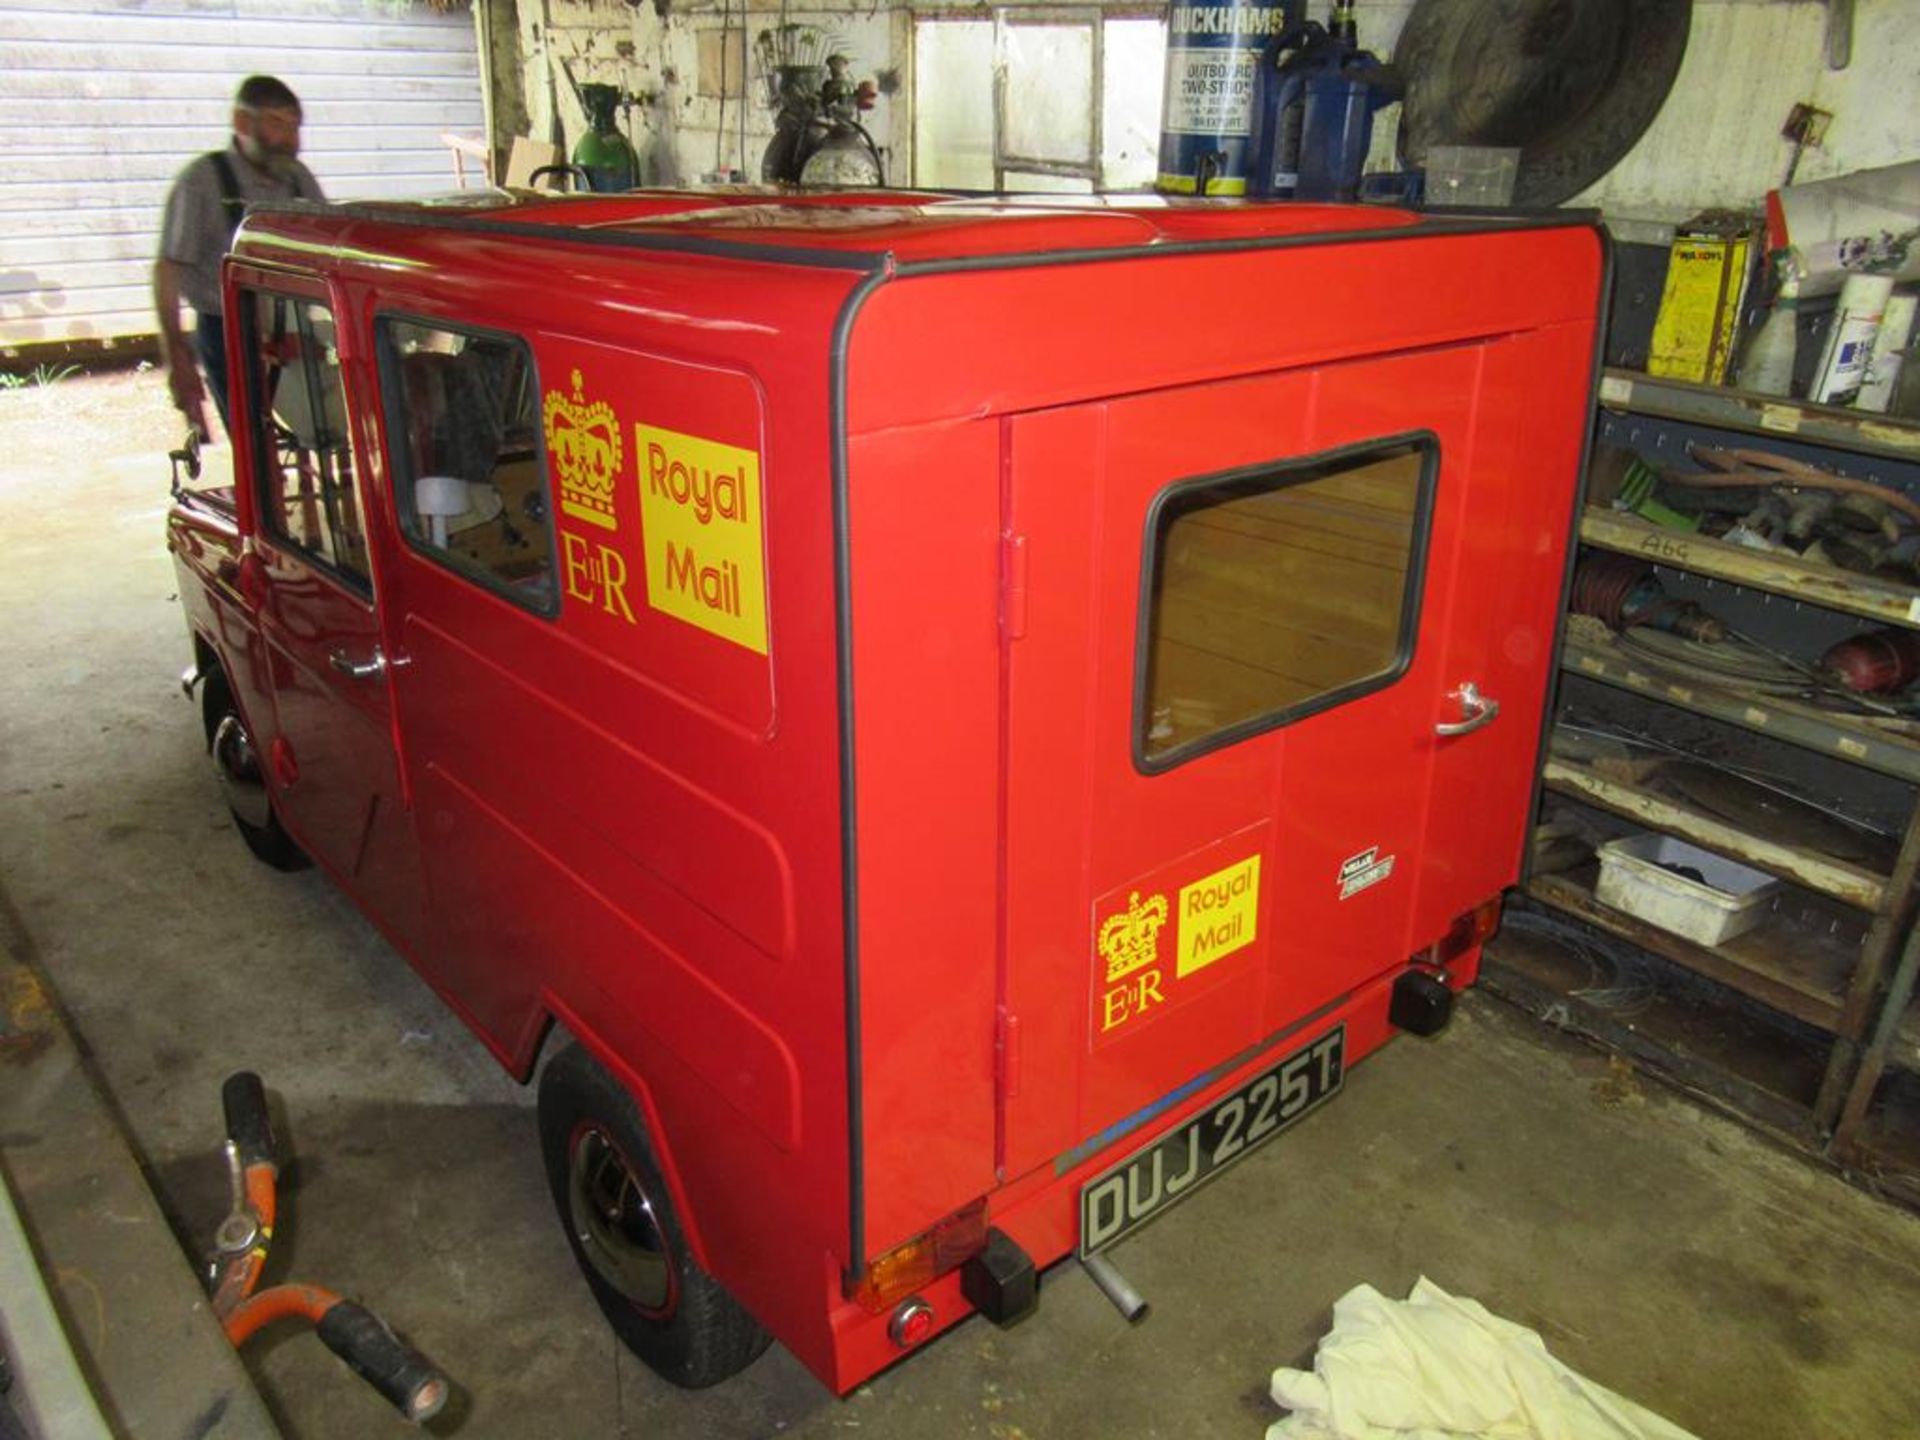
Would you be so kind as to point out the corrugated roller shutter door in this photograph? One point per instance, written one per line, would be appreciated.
(102, 101)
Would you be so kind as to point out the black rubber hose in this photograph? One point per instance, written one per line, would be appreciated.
(249, 1127)
(409, 1381)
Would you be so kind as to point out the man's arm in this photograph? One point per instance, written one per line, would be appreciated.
(184, 232)
(176, 350)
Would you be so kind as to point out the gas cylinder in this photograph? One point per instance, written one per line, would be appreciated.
(605, 154)
(1206, 115)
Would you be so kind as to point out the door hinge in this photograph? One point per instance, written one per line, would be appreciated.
(1006, 1046)
(1013, 585)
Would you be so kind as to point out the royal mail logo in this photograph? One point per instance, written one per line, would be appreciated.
(1212, 917)
(700, 514)
(584, 442)
(1131, 939)
(1219, 914)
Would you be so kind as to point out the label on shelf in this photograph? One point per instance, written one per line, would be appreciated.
(1616, 390)
(1780, 417)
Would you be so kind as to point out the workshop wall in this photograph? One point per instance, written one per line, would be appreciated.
(698, 113)
(1716, 142)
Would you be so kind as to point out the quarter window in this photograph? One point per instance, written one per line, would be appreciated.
(1277, 592)
(469, 478)
(306, 473)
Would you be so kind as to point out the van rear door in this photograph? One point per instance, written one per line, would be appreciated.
(1230, 651)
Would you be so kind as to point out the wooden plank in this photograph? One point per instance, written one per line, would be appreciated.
(458, 106)
(1724, 408)
(1658, 1037)
(1849, 883)
(353, 10)
(316, 91)
(1877, 599)
(297, 68)
(1775, 964)
(1807, 726)
(108, 36)
(33, 252)
(87, 144)
(129, 326)
(135, 169)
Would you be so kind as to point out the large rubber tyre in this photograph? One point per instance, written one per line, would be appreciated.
(270, 844)
(625, 1235)
(1573, 84)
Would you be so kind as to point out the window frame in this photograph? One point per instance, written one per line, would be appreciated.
(269, 508)
(1262, 478)
(399, 468)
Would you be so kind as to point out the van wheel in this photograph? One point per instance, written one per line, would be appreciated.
(237, 764)
(618, 1217)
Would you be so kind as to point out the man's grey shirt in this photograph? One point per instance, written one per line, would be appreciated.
(196, 230)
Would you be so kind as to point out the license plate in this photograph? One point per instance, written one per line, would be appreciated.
(1125, 1197)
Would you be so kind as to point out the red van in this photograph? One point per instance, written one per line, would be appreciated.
(971, 714)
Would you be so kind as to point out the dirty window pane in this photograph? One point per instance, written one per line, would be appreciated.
(306, 471)
(953, 103)
(1048, 97)
(1279, 592)
(1133, 72)
(468, 476)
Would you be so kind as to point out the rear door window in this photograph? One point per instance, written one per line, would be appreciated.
(1275, 592)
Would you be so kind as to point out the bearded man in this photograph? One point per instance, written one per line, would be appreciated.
(204, 208)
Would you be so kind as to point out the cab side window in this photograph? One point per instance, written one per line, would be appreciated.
(307, 496)
(469, 479)
(1277, 592)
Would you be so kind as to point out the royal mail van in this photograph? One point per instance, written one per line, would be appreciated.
(970, 714)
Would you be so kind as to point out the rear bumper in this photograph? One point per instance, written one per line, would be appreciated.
(1040, 1211)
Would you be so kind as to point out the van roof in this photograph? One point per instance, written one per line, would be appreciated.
(867, 229)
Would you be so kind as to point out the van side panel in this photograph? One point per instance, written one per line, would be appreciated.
(924, 513)
(620, 807)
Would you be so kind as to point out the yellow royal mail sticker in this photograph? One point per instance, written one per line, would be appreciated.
(1219, 914)
(700, 511)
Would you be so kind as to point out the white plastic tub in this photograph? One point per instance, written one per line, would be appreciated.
(1729, 903)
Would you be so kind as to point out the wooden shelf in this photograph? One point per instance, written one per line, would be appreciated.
(1864, 889)
(1775, 963)
(1758, 1070)
(1883, 600)
(1860, 431)
(1796, 722)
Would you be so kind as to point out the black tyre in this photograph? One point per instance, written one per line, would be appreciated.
(618, 1218)
(237, 764)
(1572, 84)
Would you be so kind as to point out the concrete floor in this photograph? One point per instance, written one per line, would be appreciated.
(1658, 1248)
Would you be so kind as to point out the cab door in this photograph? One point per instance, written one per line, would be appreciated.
(330, 753)
(1226, 672)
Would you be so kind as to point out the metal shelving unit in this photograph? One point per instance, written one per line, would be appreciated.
(1839, 963)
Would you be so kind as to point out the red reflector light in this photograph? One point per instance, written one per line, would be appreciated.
(917, 1263)
(911, 1323)
(1473, 928)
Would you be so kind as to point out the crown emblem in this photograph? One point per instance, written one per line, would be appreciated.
(584, 443)
(1130, 938)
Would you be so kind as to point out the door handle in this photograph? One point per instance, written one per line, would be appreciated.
(359, 669)
(1476, 710)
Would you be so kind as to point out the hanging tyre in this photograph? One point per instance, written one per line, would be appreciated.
(236, 763)
(625, 1235)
